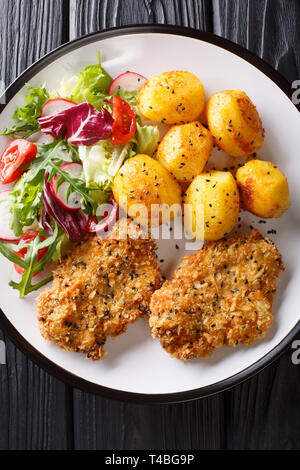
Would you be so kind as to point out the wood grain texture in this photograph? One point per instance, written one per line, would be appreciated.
(269, 28)
(37, 411)
(104, 424)
(263, 413)
(88, 16)
(34, 405)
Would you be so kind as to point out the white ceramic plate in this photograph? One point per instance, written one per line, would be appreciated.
(136, 367)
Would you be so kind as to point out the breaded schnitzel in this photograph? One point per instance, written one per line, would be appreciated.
(98, 289)
(220, 296)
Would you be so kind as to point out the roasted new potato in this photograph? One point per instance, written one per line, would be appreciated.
(211, 205)
(145, 190)
(172, 98)
(264, 190)
(185, 149)
(235, 123)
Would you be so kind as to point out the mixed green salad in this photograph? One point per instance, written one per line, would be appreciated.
(64, 149)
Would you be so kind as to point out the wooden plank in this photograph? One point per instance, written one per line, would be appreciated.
(104, 424)
(34, 409)
(263, 413)
(87, 16)
(269, 28)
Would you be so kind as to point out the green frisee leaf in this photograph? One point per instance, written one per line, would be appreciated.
(27, 115)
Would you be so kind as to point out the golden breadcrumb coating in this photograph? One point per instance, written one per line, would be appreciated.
(128, 228)
(220, 296)
(98, 289)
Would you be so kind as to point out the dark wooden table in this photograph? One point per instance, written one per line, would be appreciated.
(39, 412)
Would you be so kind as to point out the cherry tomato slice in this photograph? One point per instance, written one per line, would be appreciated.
(124, 125)
(18, 152)
(28, 237)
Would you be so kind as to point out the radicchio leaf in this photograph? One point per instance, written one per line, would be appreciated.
(79, 125)
(74, 223)
(46, 222)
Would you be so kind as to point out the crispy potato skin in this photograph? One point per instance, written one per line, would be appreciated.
(185, 149)
(235, 123)
(264, 189)
(144, 181)
(214, 205)
(172, 98)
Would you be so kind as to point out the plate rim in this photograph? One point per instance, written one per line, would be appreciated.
(59, 372)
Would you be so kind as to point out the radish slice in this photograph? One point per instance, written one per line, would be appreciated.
(103, 226)
(6, 234)
(56, 106)
(40, 138)
(74, 200)
(128, 81)
(73, 168)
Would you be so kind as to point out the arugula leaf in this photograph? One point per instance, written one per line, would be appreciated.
(27, 115)
(26, 195)
(92, 85)
(30, 263)
(57, 150)
(77, 184)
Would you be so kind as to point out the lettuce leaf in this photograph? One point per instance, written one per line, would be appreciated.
(146, 138)
(96, 161)
(92, 85)
(100, 164)
(62, 245)
(66, 87)
(27, 203)
(120, 154)
(129, 96)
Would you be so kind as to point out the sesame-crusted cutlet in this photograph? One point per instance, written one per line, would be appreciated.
(99, 288)
(220, 296)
